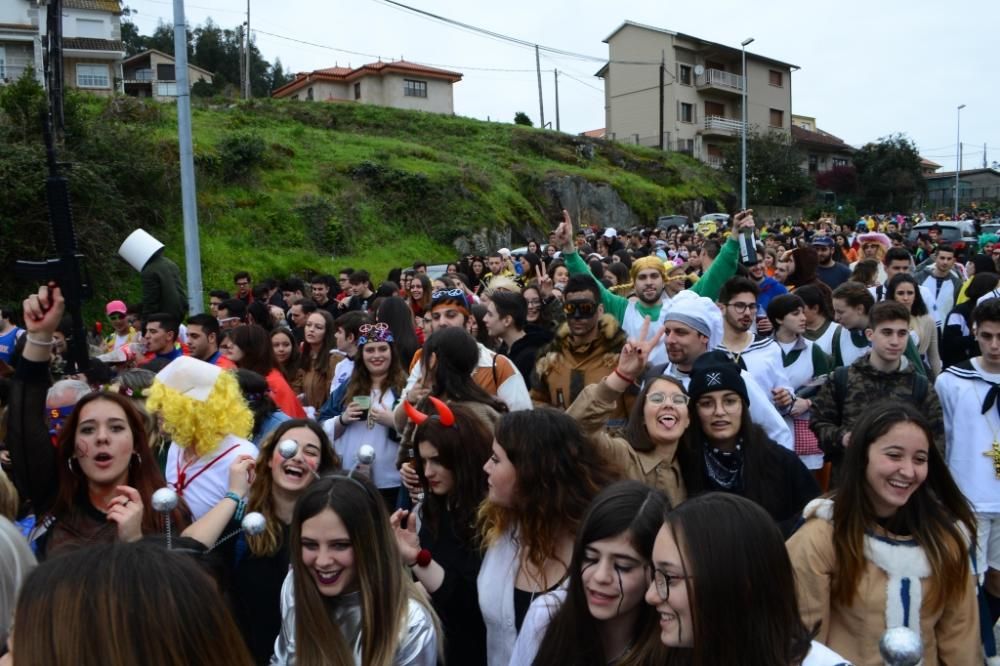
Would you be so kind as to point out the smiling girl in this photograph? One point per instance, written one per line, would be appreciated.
(257, 565)
(890, 547)
(347, 599)
(601, 618)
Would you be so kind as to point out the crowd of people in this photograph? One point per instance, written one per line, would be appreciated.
(611, 448)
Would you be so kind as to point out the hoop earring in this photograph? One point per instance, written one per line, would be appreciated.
(69, 463)
(138, 458)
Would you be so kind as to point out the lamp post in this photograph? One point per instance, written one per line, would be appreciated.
(743, 138)
(958, 152)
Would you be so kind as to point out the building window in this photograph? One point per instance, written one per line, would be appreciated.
(813, 163)
(166, 73)
(687, 112)
(776, 78)
(413, 88)
(92, 76)
(309, 94)
(143, 75)
(3, 63)
(685, 74)
(715, 109)
(777, 118)
(357, 90)
(166, 89)
(839, 162)
(685, 146)
(90, 28)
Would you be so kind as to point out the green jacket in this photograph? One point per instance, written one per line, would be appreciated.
(163, 288)
(723, 268)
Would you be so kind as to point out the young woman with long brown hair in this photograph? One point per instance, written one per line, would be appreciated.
(444, 556)
(250, 348)
(364, 408)
(347, 599)
(257, 565)
(601, 618)
(318, 362)
(890, 547)
(542, 476)
(133, 586)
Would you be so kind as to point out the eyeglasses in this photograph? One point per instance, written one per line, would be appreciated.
(441, 293)
(243, 284)
(741, 307)
(580, 309)
(658, 398)
(664, 582)
(533, 302)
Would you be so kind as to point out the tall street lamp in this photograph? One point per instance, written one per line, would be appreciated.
(743, 138)
(958, 153)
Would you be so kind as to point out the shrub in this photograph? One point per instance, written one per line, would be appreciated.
(241, 154)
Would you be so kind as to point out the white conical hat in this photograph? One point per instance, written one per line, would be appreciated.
(139, 248)
(189, 376)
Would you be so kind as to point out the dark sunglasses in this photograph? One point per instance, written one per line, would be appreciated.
(580, 309)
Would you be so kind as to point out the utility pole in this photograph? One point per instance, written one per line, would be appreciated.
(55, 73)
(541, 105)
(189, 207)
(557, 107)
(663, 67)
(249, 92)
(243, 70)
(984, 155)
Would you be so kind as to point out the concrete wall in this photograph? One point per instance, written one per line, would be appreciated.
(15, 11)
(391, 92)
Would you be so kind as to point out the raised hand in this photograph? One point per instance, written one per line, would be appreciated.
(544, 281)
(564, 233)
(744, 220)
(126, 510)
(634, 355)
(406, 537)
(241, 475)
(44, 310)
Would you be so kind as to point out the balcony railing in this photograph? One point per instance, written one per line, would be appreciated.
(714, 161)
(723, 125)
(721, 79)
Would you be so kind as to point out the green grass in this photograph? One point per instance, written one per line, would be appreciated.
(333, 185)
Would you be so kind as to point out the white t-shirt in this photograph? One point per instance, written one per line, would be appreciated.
(202, 492)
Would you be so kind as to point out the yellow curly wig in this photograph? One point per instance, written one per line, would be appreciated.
(202, 424)
(647, 262)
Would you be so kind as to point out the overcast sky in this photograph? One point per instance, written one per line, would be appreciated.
(868, 68)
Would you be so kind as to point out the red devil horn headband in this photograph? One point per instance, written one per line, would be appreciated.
(444, 412)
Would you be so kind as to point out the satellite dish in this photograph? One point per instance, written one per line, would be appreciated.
(699, 70)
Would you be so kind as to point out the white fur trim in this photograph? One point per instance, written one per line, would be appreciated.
(820, 507)
(899, 562)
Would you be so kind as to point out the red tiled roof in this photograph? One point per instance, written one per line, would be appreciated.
(819, 138)
(113, 6)
(380, 68)
(929, 163)
(596, 133)
(91, 44)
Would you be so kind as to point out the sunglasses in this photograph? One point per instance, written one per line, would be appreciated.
(580, 309)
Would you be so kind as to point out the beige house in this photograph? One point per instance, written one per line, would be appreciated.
(152, 74)
(822, 150)
(92, 45)
(399, 84)
(703, 84)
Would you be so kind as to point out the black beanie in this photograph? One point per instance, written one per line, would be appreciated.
(715, 371)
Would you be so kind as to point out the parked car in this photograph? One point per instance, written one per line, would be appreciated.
(720, 219)
(667, 222)
(960, 233)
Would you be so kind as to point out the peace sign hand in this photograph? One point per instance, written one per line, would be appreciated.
(635, 353)
(544, 281)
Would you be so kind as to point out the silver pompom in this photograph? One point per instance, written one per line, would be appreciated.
(366, 454)
(901, 646)
(288, 448)
(254, 523)
(164, 500)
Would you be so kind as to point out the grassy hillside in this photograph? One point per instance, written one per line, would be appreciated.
(294, 187)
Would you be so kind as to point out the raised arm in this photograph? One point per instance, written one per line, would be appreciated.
(613, 303)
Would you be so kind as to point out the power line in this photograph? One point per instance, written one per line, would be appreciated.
(378, 57)
(507, 38)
